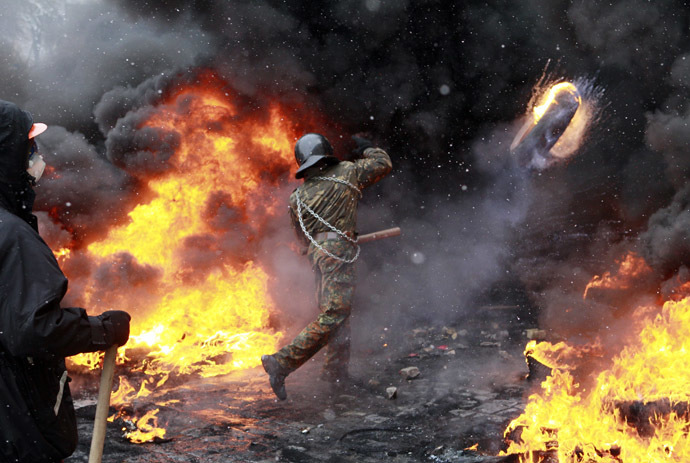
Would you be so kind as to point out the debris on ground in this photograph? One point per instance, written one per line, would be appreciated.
(466, 395)
(409, 372)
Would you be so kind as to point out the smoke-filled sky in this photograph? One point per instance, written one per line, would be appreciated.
(440, 85)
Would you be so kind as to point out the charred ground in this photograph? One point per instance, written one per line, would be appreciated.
(472, 383)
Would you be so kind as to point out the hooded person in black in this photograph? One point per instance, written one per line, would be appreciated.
(37, 421)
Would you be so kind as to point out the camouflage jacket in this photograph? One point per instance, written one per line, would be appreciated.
(336, 202)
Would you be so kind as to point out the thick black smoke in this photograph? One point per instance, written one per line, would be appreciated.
(82, 172)
(440, 85)
(667, 239)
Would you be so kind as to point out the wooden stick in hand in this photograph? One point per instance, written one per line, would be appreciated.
(101, 420)
(379, 235)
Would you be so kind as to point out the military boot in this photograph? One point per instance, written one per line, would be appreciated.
(276, 375)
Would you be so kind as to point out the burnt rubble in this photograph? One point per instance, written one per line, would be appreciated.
(646, 416)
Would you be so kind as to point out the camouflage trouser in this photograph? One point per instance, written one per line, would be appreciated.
(335, 284)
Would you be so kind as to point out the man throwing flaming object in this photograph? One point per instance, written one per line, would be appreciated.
(324, 212)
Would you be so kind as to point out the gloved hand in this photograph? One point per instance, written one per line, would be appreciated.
(362, 144)
(116, 326)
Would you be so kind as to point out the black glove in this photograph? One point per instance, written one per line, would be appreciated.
(362, 144)
(116, 327)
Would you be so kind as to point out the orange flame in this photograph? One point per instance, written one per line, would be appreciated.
(147, 429)
(586, 423)
(679, 290)
(213, 321)
(62, 254)
(630, 269)
(559, 355)
(550, 98)
(575, 134)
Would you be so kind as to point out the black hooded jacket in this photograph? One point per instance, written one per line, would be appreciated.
(37, 421)
(15, 125)
(16, 194)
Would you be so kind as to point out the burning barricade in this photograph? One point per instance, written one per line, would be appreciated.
(616, 403)
(182, 262)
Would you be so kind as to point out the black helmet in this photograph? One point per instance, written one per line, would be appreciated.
(310, 149)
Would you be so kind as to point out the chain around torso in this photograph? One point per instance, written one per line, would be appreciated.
(301, 204)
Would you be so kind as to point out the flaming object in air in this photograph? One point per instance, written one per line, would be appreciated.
(183, 264)
(555, 126)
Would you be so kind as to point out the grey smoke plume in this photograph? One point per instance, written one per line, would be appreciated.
(667, 133)
(83, 173)
(637, 36)
(666, 242)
